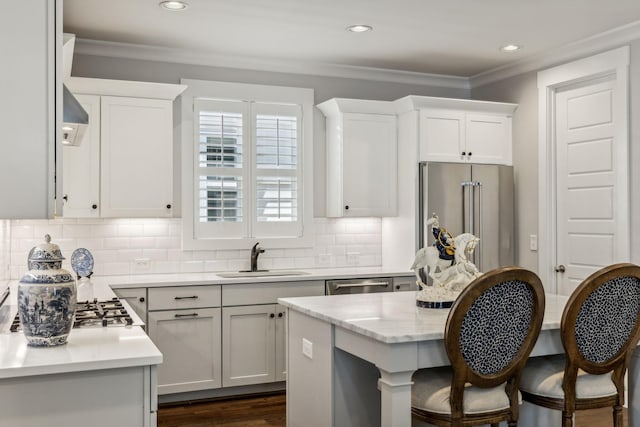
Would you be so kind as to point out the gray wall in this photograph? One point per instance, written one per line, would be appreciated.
(324, 87)
(523, 91)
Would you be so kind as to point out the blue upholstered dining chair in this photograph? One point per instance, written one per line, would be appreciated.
(491, 330)
(600, 329)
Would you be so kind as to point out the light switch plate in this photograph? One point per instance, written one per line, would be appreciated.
(307, 348)
(533, 242)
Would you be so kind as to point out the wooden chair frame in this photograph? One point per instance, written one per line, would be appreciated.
(462, 373)
(617, 364)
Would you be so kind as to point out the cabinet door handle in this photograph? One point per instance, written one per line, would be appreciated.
(346, 208)
(280, 314)
(141, 299)
(65, 198)
(186, 315)
(470, 153)
(94, 206)
(464, 153)
(272, 315)
(191, 297)
(168, 205)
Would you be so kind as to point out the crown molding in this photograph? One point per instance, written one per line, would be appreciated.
(569, 52)
(183, 56)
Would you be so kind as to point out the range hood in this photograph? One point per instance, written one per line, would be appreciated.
(75, 119)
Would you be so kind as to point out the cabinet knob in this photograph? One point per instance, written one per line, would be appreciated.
(141, 299)
(280, 314)
(94, 206)
(464, 153)
(65, 198)
(346, 207)
(168, 205)
(470, 153)
(272, 315)
(397, 287)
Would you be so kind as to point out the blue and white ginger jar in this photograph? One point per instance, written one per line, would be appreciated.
(46, 297)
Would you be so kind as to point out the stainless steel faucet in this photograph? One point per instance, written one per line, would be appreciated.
(255, 252)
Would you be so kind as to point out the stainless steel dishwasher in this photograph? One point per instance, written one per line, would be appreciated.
(359, 286)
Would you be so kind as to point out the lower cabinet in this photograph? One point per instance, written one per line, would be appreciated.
(137, 299)
(189, 341)
(214, 336)
(253, 343)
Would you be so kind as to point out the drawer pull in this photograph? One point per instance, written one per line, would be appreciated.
(191, 297)
(187, 315)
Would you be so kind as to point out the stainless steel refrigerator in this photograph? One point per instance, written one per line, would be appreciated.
(470, 198)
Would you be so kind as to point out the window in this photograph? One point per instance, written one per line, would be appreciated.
(247, 174)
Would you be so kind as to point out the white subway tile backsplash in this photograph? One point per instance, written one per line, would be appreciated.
(117, 243)
(142, 242)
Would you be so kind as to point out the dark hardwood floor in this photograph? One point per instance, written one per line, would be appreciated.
(269, 410)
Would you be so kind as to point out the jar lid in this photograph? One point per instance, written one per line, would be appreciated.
(46, 251)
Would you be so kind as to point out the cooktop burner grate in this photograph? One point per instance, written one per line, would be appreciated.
(93, 314)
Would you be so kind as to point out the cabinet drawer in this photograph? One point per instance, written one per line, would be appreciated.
(176, 297)
(268, 293)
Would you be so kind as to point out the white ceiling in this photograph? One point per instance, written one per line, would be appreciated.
(454, 37)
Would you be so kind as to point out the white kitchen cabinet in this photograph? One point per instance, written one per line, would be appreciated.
(361, 147)
(137, 299)
(81, 167)
(31, 108)
(189, 341)
(253, 344)
(185, 323)
(253, 330)
(461, 136)
(129, 143)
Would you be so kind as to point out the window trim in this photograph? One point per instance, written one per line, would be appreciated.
(258, 93)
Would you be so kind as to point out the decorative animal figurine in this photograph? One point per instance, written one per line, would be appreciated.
(447, 261)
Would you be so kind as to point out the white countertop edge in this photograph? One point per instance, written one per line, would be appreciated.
(64, 368)
(196, 279)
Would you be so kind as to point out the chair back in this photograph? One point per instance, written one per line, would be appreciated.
(492, 328)
(601, 321)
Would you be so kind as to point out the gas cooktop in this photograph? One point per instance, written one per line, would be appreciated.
(94, 314)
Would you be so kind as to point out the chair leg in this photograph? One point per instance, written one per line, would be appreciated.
(495, 425)
(567, 419)
(617, 416)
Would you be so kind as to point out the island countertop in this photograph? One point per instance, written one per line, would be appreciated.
(392, 317)
(87, 349)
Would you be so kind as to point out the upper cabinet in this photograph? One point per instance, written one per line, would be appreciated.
(31, 92)
(361, 159)
(457, 130)
(124, 166)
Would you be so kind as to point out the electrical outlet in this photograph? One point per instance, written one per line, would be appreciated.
(307, 348)
(533, 242)
(142, 264)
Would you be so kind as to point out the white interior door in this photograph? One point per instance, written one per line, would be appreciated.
(586, 181)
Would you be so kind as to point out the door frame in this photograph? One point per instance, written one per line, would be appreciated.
(614, 62)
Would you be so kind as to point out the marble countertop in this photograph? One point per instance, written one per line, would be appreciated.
(191, 279)
(86, 349)
(392, 317)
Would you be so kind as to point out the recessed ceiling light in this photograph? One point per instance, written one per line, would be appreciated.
(510, 48)
(359, 28)
(174, 5)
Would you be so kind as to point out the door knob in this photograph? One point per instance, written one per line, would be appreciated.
(560, 268)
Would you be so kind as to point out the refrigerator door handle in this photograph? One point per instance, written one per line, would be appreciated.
(478, 186)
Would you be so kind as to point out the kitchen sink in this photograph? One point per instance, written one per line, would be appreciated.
(262, 273)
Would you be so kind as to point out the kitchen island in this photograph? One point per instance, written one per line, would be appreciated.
(101, 377)
(351, 358)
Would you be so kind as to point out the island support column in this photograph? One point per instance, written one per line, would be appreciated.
(395, 391)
